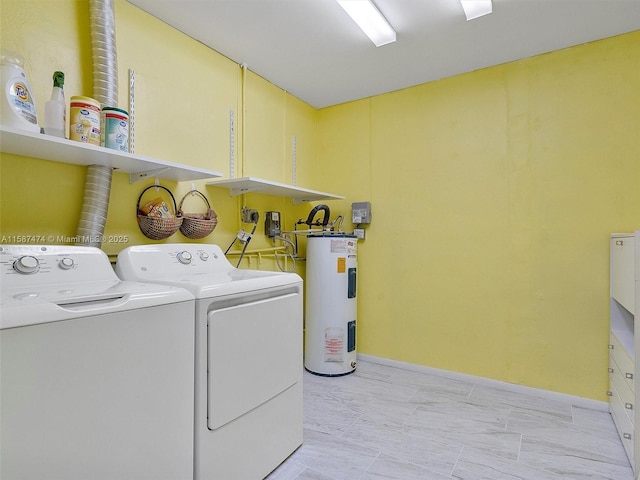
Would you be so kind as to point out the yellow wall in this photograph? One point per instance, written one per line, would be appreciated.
(493, 196)
(493, 192)
(184, 93)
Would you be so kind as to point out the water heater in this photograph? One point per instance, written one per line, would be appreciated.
(330, 306)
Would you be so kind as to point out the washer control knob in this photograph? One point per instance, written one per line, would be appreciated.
(184, 257)
(204, 256)
(26, 264)
(66, 263)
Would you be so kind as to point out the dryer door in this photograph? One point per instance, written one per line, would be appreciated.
(254, 353)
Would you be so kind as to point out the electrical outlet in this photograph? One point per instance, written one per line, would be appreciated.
(249, 215)
(243, 236)
(359, 232)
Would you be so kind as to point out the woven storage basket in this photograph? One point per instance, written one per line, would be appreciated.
(197, 225)
(158, 228)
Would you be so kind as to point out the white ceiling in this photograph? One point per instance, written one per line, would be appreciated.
(313, 50)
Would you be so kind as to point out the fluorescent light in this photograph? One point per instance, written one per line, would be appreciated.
(370, 20)
(476, 8)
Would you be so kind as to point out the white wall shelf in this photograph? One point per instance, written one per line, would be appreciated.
(238, 186)
(56, 149)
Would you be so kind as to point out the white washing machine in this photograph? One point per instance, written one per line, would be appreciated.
(96, 374)
(248, 412)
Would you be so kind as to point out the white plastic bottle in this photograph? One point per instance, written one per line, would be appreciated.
(55, 114)
(18, 105)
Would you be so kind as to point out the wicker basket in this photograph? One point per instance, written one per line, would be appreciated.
(197, 225)
(158, 228)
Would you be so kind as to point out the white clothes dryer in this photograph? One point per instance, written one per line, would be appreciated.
(96, 374)
(248, 375)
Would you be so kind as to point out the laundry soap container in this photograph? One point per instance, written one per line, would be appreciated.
(84, 122)
(18, 105)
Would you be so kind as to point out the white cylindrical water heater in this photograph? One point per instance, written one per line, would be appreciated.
(330, 306)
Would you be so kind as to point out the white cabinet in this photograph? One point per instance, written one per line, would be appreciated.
(624, 303)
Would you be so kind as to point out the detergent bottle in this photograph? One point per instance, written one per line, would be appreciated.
(18, 105)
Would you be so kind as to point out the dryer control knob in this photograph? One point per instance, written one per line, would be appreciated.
(204, 256)
(184, 257)
(26, 264)
(66, 263)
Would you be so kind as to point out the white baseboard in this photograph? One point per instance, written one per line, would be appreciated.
(557, 396)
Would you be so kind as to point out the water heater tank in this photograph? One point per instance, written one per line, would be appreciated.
(331, 306)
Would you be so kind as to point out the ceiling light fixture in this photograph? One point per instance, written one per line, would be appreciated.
(476, 8)
(370, 20)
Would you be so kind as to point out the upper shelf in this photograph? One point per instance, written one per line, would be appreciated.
(46, 147)
(238, 186)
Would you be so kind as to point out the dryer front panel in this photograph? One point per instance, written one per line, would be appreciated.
(254, 352)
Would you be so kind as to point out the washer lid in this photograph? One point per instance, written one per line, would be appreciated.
(44, 304)
(49, 283)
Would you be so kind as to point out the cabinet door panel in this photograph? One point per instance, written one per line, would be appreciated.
(625, 429)
(622, 274)
(627, 397)
(624, 362)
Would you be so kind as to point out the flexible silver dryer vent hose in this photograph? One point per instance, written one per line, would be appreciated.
(97, 189)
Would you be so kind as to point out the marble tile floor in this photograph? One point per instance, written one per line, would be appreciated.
(383, 422)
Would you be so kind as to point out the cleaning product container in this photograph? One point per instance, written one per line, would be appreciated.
(55, 109)
(115, 129)
(18, 105)
(84, 120)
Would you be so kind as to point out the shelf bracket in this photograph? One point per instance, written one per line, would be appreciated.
(239, 191)
(139, 176)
